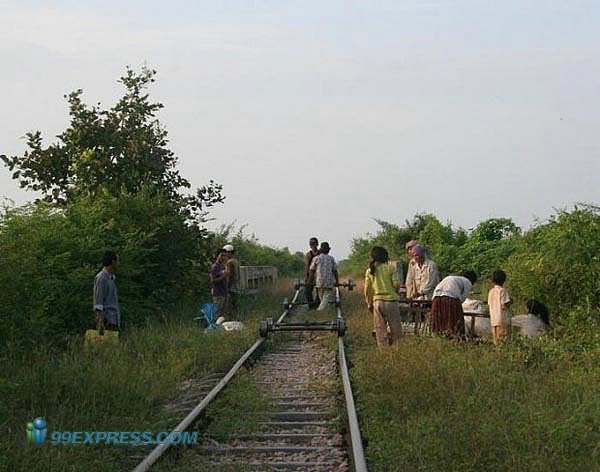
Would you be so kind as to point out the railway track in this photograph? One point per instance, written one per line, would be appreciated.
(311, 424)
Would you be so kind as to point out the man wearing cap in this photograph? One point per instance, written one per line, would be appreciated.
(232, 271)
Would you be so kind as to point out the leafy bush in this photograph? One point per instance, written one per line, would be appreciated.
(483, 256)
(559, 262)
(109, 182)
(393, 237)
(50, 256)
(485, 248)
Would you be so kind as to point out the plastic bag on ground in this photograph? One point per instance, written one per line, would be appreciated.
(232, 325)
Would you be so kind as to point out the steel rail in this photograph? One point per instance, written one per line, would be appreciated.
(159, 450)
(358, 453)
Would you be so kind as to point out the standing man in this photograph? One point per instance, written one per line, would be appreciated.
(106, 300)
(218, 280)
(423, 277)
(232, 270)
(324, 269)
(309, 280)
(410, 269)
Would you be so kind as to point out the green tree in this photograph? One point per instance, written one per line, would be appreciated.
(120, 149)
(49, 258)
(495, 229)
(559, 262)
(109, 181)
(487, 247)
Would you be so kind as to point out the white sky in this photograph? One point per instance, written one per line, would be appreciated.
(319, 116)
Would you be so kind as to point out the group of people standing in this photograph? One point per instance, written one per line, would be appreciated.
(320, 274)
(384, 286)
(225, 282)
(383, 290)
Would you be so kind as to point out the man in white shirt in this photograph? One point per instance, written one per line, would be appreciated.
(408, 247)
(423, 276)
(324, 272)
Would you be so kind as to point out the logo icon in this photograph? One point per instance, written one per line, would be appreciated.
(36, 431)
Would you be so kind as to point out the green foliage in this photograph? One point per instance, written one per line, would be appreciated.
(121, 149)
(109, 182)
(556, 262)
(442, 240)
(50, 256)
(251, 252)
(559, 262)
(435, 235)
(391, 236)
(483, 256)
(495, 229)
(575, 339)
(483, 249)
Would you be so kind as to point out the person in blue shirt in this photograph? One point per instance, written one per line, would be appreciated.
(106, 300)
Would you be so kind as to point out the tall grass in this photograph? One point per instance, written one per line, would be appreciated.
(430, 404)
(119, 388)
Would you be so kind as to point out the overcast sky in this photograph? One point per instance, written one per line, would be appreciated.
(318, 116)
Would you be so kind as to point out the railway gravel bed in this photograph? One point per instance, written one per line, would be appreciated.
(292, 408)
(302, 431)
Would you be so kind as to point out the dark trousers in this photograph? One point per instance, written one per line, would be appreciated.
(310, 299)
(106, 325)
(233, 303)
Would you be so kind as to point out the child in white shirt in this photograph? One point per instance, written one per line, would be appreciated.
(499, 303)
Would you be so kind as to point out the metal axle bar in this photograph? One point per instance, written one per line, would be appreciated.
(269, 326)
